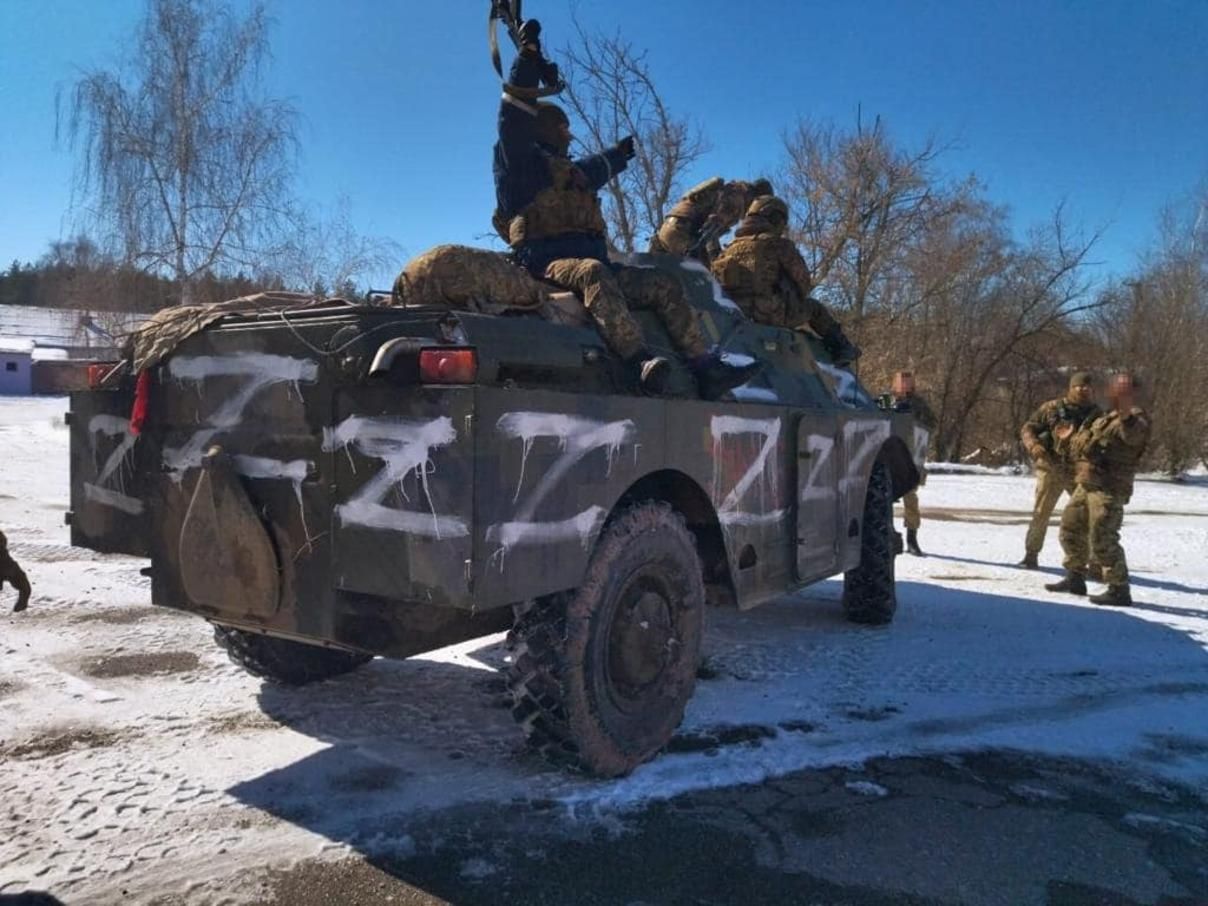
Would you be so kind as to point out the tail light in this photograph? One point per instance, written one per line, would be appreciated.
(448, 366)
(100, 372)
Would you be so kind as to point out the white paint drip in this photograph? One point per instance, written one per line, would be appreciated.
(509, 534)
(116, 466)
(405, 446)
(260, 370)
(576, 437)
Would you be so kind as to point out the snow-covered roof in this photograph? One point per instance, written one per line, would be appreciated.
(49, 354)
(16, 344)
(67, 327)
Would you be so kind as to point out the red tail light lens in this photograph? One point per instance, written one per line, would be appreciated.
(98, 371)
(448, 366)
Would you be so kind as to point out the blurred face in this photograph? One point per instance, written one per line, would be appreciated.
(1122, 393)
(1082, 394)
(903, 384)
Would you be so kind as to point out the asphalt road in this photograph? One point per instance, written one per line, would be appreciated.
(993, 828)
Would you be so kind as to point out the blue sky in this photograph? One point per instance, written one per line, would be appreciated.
(1101, 104)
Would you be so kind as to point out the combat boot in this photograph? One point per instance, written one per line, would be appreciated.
(1073, 583)
(842, 350)
(717, 376)
(652, 371)
(1030, 561)
(1094, 572)
(912, 542)
(1114, 596)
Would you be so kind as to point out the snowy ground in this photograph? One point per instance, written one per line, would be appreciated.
(137, 763)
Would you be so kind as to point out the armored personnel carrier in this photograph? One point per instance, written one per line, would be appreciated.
(338, 482)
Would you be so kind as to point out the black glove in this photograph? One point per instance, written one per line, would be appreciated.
(627, 147)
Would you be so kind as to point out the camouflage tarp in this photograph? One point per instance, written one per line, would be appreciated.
(167, 328)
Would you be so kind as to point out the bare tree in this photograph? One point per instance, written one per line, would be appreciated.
(186, 169)
(611, 92)
(1157, 325)
(860, 202)
(327, 255)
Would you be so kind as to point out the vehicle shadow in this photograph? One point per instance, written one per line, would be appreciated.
(1135, 579)
(413, 747)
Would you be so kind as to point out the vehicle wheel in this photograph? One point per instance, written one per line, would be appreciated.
(601, 675)
(283, 661)
(869, 593)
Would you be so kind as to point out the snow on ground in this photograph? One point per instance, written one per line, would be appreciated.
(137, 760)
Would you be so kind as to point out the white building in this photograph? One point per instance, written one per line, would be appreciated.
(16, 366)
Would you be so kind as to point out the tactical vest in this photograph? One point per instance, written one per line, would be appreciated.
(558, 209)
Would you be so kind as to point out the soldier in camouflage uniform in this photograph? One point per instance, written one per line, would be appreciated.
(11, 573)
(905, 399)
(764, 273)
(706, 213)
(1054, 471)
(1105, 452)
(556, 228)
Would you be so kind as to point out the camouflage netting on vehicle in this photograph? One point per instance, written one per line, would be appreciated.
(169, 327)
(468, 278)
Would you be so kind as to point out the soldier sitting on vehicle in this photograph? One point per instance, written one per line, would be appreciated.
(557, 231)
(11, 573)
(764, 273)
(706, 213)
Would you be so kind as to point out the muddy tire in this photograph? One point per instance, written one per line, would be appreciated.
(869, 592)
(283, 661)
(600, 676)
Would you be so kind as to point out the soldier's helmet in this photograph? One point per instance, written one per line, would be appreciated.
(552, 123)
(771, 209)
(761, 187)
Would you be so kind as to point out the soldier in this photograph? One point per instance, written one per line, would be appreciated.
(1105, 452)
(764, 273)
(904, 399)
(11, 573)
(557, 231)
(706, 213)
(1054, 472)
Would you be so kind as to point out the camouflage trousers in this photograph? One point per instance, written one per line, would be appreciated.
(608, 293)
(910, 507)
(1050, 485)
(1090, 530)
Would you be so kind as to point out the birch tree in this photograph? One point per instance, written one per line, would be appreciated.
(184, 166)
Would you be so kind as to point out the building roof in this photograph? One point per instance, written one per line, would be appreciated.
(16, 345)
(68, 328)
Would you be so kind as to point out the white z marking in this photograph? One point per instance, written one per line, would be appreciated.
(115, 466)
(577, 437)
(728, 513)
(405, 446)
(261, 371)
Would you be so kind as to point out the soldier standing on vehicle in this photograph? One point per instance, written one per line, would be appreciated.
(1105, 452)
(11, 573)
(557, 231)
(706, 213)
(903, 398)
(764, 273)
(1054, 471)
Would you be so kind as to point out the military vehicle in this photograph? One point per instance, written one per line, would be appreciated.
(334, 483)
